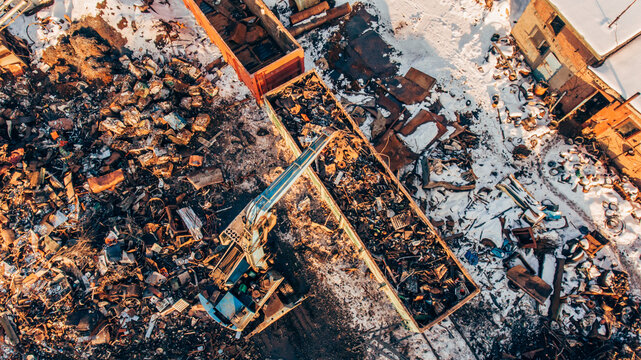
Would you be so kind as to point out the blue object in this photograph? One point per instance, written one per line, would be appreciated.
(230, 305)
(209, 308)
(472, 258)
(238, 272)
(507, 246)
(505, 250)
(552, 215)
(498, 253)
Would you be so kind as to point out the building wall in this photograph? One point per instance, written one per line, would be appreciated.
(576, 91)
(613, 126)
(609, 127)
(532, 28)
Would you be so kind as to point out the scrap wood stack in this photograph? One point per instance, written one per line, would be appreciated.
(106, 214)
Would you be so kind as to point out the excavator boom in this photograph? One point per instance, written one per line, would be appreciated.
(259, 207)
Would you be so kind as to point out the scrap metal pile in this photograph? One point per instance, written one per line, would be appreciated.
(424, 273)
(107, 213)
(601, 309)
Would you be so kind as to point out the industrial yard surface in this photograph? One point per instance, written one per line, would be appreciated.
(174, 185)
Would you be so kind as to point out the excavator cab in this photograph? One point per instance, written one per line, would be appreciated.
(238, 306)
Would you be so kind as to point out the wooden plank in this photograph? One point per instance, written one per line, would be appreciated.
(553, 312)
(531, 284)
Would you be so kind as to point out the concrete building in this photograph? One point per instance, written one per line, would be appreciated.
(590, 53)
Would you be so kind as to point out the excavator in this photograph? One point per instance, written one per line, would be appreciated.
(246, 283)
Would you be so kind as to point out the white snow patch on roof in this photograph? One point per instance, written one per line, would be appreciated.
(592, 17)
(621, 72)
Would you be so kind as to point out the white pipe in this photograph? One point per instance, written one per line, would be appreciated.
(13, 11)
(5, 4)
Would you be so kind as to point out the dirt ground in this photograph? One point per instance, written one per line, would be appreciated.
(319, 327)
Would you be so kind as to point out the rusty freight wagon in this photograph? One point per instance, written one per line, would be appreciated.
(252, 40)
(411, 263)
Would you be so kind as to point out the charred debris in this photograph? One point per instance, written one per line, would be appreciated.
(116, 184)
(111, 193)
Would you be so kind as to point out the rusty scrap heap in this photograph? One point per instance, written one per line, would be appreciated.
(424, 273)
(105, 234)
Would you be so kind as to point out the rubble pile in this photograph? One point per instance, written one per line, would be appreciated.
(108, 214)
(87, 52)
(424, 273)
(599, 311)
(594, 312)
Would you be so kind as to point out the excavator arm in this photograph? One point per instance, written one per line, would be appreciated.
(258, 207)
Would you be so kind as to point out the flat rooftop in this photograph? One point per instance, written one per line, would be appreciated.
(621, 71)
(592, 19)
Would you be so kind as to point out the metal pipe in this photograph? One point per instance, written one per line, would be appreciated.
(5, 4)
(558, 101)
(13, 11)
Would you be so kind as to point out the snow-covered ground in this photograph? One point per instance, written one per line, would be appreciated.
(138, 27)
(449, 40)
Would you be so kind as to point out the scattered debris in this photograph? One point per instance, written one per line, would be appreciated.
(93, 187)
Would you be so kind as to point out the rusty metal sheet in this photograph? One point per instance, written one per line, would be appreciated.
(531, 284)
(420, 78)
(394, 149)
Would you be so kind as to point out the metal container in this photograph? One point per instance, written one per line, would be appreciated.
(272, 74)
(365, 254)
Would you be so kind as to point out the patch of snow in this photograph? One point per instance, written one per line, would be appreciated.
(419, 139)
(592, 19)
(621, 71)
